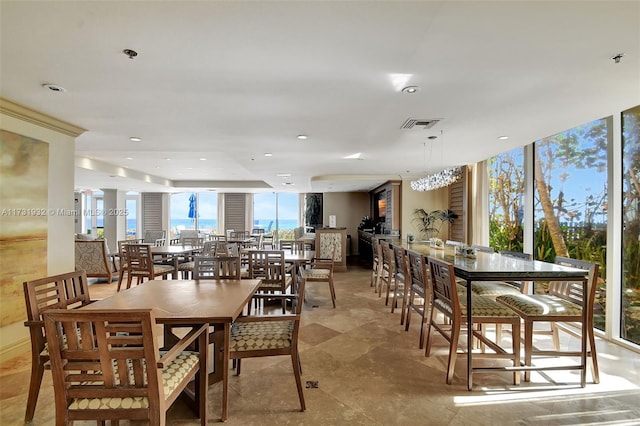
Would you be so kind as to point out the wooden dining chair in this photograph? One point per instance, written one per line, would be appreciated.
(269, 266)
(419, 300)
(483, 311)
(562, 308)
(270, 335)
(106, 365)
(388, 270)
(141, 264)
(320, 270)
(376, 270)
(400, 279)
(63, 291)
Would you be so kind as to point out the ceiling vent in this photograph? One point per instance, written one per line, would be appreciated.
(426, 123)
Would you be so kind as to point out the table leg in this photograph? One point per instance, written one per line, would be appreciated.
(469, 339)
(225, 370)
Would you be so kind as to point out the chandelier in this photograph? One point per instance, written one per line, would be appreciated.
(437, 180)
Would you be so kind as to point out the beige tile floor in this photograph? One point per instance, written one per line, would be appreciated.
(370, 371)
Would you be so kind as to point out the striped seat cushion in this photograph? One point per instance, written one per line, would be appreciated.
(481, 307)
(540, 304)
(172, 375)
(260, 335)
(186, 266)
(315, 273)
(493, 288)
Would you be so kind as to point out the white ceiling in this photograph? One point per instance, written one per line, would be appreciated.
(231, 81)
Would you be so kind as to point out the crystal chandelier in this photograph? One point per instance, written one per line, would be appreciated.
(437, 180)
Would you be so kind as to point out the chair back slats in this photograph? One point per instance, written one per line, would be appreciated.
(194, 242)
(217, 267)
(400, 260)
(140, 258)
(64, 291)
(268, 265)
(204, 267)
(100, 354)
(443, 283)
(572, 291)
(418, 271)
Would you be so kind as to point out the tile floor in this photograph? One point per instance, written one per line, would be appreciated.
(369, 371)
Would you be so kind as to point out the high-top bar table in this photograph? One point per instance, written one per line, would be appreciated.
(188, 302)
(495, 267)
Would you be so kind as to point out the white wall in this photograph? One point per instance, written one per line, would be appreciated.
(14, 338)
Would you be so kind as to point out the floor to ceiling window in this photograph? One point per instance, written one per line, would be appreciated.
(630, 309)
(570, 200)
(276, 212)
(131, 204)
(506, 200)
(193, 210)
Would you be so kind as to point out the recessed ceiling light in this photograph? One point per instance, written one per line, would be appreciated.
(135, 139)
(54, 87)
(287, 183)
(283, 175)
(129, 158)
(167, 158)
(268, 154)
(410, 89)
(203, 159)
(302, 137)
(503, 138)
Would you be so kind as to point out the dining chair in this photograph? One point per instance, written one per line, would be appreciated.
(185, 263)
(204, 268)
(62, 291)
(124, 260)
(376, 269)
(483, 311)
(320, 270)
(266, 242)
(419, 300)
(291, 245)
(141, 264)
(270, 335)
(562, 308)
(269, 266)
(388, 270)
(106, 365)
(228, 267)
(400, 279)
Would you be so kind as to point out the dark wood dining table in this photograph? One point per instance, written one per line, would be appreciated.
(495, 267)
(189, 302)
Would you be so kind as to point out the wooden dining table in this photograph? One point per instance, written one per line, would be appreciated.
(496, 267)
(190, 302)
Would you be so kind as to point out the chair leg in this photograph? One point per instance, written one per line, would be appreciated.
(427, 350)
(593, 356)
(120, 277)
(333, 292)
(408, 306)
(453, 349)
(528, 347)
(295, 361)
(37, 371)
(515, 342)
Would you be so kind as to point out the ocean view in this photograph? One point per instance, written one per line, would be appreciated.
(208, 225)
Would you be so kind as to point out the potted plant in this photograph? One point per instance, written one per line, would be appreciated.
(430, 223)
